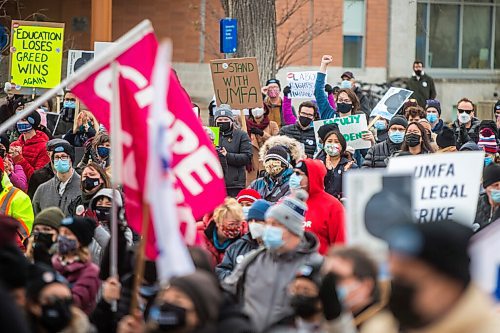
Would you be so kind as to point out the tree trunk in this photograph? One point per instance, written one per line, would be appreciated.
(256, 32)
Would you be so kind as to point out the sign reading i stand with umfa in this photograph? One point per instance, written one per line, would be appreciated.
(228, 35)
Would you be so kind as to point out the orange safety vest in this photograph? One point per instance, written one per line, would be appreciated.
(5, 202)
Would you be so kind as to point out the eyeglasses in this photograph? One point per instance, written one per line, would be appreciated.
(308, 115)
(70, 99)
(62, 158)
(346, 101)
(466, 111)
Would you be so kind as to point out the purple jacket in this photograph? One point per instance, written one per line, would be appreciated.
(18, 178)
(84, 282)
(288, 115)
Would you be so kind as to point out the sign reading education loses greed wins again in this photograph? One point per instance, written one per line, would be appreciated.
(36, 54)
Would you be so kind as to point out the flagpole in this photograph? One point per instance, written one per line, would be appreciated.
(140, 257)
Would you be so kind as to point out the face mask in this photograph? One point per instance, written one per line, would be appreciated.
(294, 182)
(380, 125)
(66, 245)
(304, 306)
(23, 127)
(401, 305)
(230, 232)
(62, 166)
(396, 137)
(346, 84)
(103, 214)
(304, 121)
(245, 212)
(273, 92)
(256, 229)
(103, 151)
(487, 161)
(332, 149)
(56, 316)
(88, 184)
(273, 167)
(344, 107)
(224, 126)
(69, 104)
(464, 118)
(418, 72)
(258, 112)
(432, 117)
(320, 146)
(495, 196)
(43, 239)
(412, 140)
(272, 237)
(169, 317)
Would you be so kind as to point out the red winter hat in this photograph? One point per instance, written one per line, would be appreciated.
(2, 166)
(248, 194)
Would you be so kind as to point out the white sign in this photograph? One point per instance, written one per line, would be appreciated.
(392, 101)
(446, 185)
(351, 127)
(76, 59)
(99, 47)
(302, 84)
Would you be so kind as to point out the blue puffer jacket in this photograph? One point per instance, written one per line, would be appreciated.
(273, 189)
(234, 255)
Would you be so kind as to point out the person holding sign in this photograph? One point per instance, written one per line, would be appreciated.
(416, 140)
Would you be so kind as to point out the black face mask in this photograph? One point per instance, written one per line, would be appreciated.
(344, 107)
(304, 306)
(103, 214)
(418, 72)
(412, 140)
(401, 305)
(89, 184)
(43, 239)
(304, 121)
(56, 316)
(169, 317)
(225, 126)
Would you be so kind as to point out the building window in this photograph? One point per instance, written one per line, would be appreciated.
(458, 34)
(354, 33)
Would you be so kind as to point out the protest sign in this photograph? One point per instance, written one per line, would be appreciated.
(351, 127)
(36, 54)
(302, 84)
(374, 202)
(236, 82)
(213, 134)
(392, 101)
(76, 59)
(446, 185)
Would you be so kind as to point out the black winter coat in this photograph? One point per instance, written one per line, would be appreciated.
(484, 214)
(239, 154)
(39, 177)
(463, 135)
(306, 137)
(333, 178)
(234, 254)
(376, 157)
(423, 88)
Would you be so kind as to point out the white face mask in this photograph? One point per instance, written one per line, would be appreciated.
(258, 112)
(464, 118)
(256, 229)
(245, 211)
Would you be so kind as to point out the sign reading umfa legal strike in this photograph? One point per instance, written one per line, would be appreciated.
(236, 82)
(351, 127)
(446, 186)
(36, 54)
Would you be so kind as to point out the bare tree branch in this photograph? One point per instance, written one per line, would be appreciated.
(290, 9)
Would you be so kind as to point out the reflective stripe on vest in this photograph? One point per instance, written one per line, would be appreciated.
(4, 210)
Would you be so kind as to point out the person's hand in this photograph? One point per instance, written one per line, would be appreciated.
(326, 59)
(15, 151)
(348, 165)
(328, 89)
(264, 90)
(132, 323)
(257, 131)
(8, 166)
(111, 289)
(223, 151)
(287, 91)
(368, 136)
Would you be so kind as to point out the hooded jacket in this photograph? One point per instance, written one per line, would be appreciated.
(47, 194)
(261, 281)
(34, 153)
(325, 213)
(273, 189)
(234, 255)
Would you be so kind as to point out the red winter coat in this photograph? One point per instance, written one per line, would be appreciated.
(34, 153)
(325, 213)
(84, 282)
(205, 234)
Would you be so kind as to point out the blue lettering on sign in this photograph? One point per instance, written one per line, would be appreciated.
(228, 35)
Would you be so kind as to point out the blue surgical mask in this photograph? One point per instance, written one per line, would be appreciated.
(341, 293)
(320, 146)
(345, 84)
(380, 125)
(487, 161)
(495, 196)
(103, 151)
(273, 237)
(396, 136)
(62, 166)
(23, 127)
(294, 181)
(432, 117)
(69, 104)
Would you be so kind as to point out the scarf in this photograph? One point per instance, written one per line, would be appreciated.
(251, 123)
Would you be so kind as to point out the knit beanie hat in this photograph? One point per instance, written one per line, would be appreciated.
(34, 119)
(487, 141)
(469, 146)
(51, 216)
(268, 82)
(325, 129)
(82, 227)
(290, 212)
(433, 103)
(13, 267)
(302, 167)
(5, 141)
(445, 138)
(491, 174)
(204, 291)
(398, 120)
(64, 147)
(39, 276)
(248, 194)
(223, 110)
(54, 142)
(258, 210)
(108, 193)
(278, 153)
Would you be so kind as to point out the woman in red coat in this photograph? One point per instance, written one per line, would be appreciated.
(219, 231)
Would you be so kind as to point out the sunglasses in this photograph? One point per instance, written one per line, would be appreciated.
(466, 111)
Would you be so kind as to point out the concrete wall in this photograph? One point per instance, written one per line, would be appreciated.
(402, 35)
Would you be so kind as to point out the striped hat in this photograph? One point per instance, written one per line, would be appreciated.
(278, 153)
(248, 194)
(488, 141)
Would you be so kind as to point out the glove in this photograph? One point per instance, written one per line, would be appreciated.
(287, 91)
(328, 88)
(332, 308)
(257, 131)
